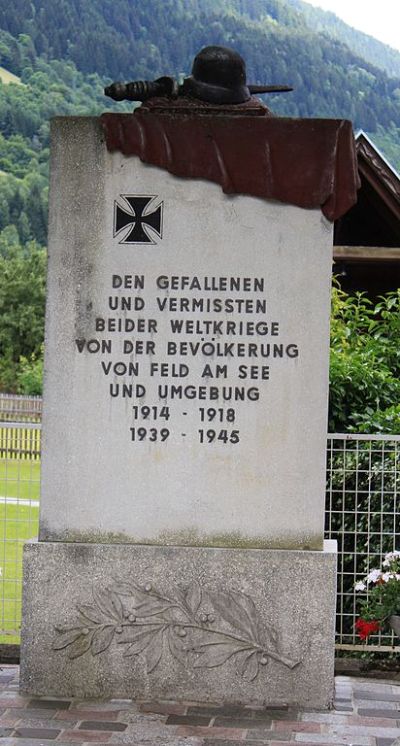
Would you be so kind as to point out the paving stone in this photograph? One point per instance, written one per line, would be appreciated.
(373, 722)
(313, 743)
(324, 717)
(247, 723)
(385, 742)
(355, 731)
(296, 726)
(10, 699)
(189, 720)
(223, 710)
(374, 686)
(233, 734)
(80, 736)
(383, 697)
(87, 715)
(37, 723)
(4, 732)
(100, 706)
(247, 741)
(164, 708)
(25, 712)
(28, 742)
(8, 722)
(336, 739)
(261, 737)
(49, 704)
(276, 714)
(48, 733)
(98, 725)
(381, 713)
(375, 704)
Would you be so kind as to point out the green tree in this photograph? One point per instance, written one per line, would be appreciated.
(22, 298)
(365, 364)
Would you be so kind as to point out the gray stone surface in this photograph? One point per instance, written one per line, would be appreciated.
(145, 622)
(100, 485)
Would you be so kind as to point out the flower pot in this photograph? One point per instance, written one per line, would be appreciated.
(394, 622)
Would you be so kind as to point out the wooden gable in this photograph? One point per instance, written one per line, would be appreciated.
(367, 237)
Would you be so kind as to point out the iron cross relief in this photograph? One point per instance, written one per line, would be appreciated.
(143, 221)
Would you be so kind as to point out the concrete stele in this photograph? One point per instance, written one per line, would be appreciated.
(100, 480)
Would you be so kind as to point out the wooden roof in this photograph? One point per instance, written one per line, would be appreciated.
(367, 239)
(375, 220)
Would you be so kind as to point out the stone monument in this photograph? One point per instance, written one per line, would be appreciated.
(181, 551)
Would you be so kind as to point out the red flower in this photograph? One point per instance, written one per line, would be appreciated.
(365, 628)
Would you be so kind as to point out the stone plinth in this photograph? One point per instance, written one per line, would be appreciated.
(182, 623)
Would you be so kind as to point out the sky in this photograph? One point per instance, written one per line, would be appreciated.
(378, 18)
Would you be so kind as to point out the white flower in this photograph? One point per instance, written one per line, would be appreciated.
(387, 576)
(373, 576)
(360, 586)
(390, 556)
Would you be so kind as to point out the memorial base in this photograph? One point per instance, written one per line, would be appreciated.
(183, 623)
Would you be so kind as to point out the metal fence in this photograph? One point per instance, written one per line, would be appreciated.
(362, 514)
(19, 515)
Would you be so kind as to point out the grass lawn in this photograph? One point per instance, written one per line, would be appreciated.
(18, 479)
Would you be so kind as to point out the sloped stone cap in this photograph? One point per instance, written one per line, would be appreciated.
(305, 162)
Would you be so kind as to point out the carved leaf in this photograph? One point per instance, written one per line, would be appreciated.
(152, 607)
(237, 610)
(123, 588)
(80, 647)
(215, 654)
(273, 636)
(180, 595)
(153, 651)
(68, 637)
(91, 613)
(140, 638)
(249, 667)
(193, 596)
(247, 604)
(102, 639)
(109, 603)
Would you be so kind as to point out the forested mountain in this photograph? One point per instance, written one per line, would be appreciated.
(365, 46)
(135, 39)
(62, 53)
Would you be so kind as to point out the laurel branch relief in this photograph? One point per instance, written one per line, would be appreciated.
(201, 628)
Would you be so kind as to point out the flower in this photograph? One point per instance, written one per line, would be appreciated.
(382, 595)
(365, 628)
(390, 557)
(373, 576)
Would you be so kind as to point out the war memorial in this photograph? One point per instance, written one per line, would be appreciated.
(181, 552)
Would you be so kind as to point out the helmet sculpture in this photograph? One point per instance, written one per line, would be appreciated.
(218, 77)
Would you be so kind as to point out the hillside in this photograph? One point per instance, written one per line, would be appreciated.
(131, 39)
(365, 46)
